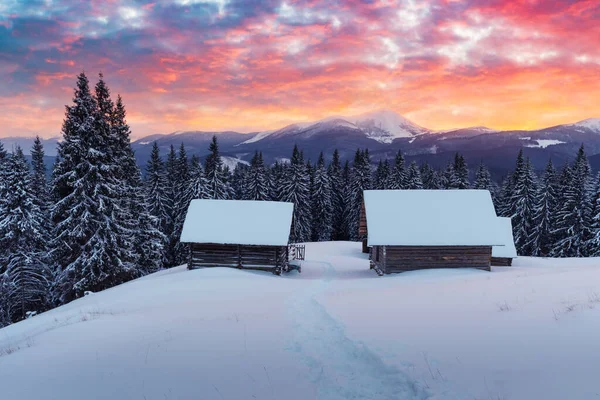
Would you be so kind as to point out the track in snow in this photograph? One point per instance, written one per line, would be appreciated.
(342, 368)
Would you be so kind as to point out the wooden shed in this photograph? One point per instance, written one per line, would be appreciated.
(420, 229)
(502, 256)
(238, 233)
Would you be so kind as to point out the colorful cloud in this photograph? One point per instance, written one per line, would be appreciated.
(255, 64)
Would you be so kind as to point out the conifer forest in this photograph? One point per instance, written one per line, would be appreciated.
(97, 219)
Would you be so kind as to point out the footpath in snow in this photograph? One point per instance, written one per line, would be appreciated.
(335, 331)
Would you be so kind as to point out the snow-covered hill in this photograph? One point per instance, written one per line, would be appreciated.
(336, 331)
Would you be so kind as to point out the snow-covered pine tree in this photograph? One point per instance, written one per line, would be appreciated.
(217, 183)
(24, 239)
(338, 195)
(414, 180)
(573, 226)
(398, 174)
(278, 174)
(157, 194)
(257, 185)
(238, 181)
(360, 180)
(461, 171)
(322, 207)
(296, 189)
(382, 175)
(39, 181)
(449, 179)
(147, 240)
(87, 241)
(542, 239)
(523, 202)
(593, 243)
(483, 181)
(430, 177)
(182, 181)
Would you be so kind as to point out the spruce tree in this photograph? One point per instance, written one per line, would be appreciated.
(573, 227)
(430, 177)
(88, 238)
(461, 172)
(360, 180)
(523, 201)
(257, 185)
(542, 238)
(39, 182)
(593, 243)
(24, 239)
(157, 194)
(217, 180)
(238, 181)
(483, 181)
(338, 204)
(414, 180)
(383, 176)
(322, 208)
(398, 175)
(449, 180)
(296, 189)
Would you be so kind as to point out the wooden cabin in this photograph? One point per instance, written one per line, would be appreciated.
(502, 256)
(238, 233)
(421, 229)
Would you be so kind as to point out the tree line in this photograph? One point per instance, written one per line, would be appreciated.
(100, 220)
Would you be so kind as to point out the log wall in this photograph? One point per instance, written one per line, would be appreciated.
(501, 262)
(362, 226)
(394, 259)
(237, 256)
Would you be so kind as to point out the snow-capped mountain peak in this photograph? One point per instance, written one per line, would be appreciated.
(387, 125)
(590, 123)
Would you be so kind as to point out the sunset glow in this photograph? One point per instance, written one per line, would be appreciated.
(253, 64)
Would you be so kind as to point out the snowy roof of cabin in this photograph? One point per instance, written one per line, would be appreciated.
(508, 250)
(431, 218)
(238, 222)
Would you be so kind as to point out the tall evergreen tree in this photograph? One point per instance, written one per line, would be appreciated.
(414, 180)
(338, 197)
(430, 177)
(542, 239)
(398, 175)
(39, 182)
(360, 180)
(383, 176)
(157, 192)
(483, 181)
(449, 180)
(239, 180)
(257, 186)
(573, 227)
(593, 243)
(24, 239)
(217, 182)
(322, 207)
(461, 172)
(296, 189)
(523, 207)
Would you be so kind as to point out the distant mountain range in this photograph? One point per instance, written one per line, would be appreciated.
(383, 133)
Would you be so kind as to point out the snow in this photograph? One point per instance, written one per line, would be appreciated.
(144, 143)
(543, 143)
(525, 138)
(508, 250)
(231, 162)
(238, 222)
(431, 218)
(591, 123)
(336, 331)
(259, 136)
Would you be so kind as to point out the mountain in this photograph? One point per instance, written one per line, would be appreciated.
(385, 132)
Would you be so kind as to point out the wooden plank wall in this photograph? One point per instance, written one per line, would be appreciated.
(501, 262)
(362, 226)
(239, 256)
(410, 258)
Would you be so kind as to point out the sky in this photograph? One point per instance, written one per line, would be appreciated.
(262, 64)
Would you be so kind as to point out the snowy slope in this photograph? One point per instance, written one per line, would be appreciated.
(591, 123)
(336, 331)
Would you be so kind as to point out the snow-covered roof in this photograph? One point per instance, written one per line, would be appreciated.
(508, 250)
(431, 218)
(238, 222)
